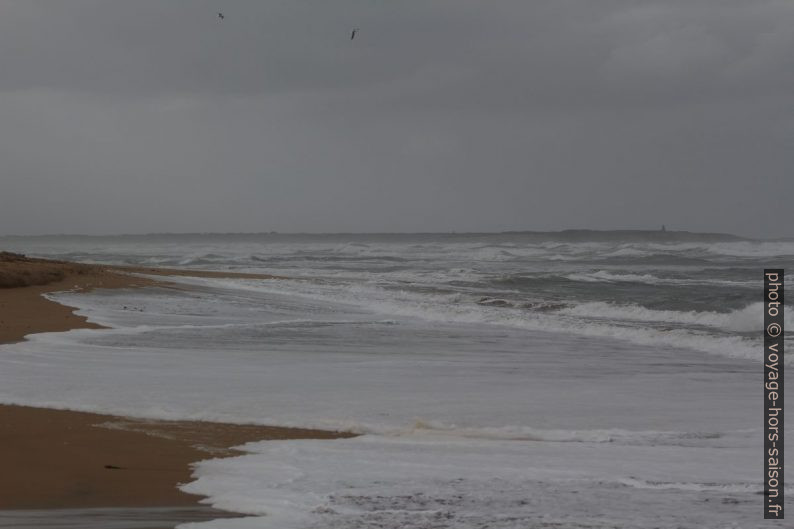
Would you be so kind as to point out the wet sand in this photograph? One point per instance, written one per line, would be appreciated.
(66, 459)
(23, 280)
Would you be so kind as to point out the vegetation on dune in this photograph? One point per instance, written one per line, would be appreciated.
(17, 270)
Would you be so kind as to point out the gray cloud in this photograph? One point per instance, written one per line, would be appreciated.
(120, 116)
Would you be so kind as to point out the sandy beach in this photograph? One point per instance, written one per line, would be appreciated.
(66, 459)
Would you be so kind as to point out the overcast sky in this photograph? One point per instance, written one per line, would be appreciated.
(156, 116)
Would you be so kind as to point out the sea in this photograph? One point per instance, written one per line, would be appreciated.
(575, 379)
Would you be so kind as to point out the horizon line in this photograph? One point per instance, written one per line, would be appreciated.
(451, 232)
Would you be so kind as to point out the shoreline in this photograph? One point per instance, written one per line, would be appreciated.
(55, 459)
(24, 310)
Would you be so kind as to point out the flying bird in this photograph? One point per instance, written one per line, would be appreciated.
(353, 35)
(220, 15)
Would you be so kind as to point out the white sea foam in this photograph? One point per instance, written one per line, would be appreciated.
(292, 361)
(746, 488)
(424, 483)
(605, 276)
(747, 319)
(528, 433)
(457, 308)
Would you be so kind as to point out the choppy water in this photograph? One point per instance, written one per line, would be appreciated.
(513, 380)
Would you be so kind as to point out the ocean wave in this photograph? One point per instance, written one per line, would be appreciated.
(694, 486)
(587, 320)
(605, 276)
(526, 433)
(746, 319)
(752, 249)
(609, 277)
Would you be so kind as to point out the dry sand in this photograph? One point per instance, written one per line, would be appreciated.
(57, 458)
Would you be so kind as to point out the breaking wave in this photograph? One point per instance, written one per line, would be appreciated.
(744, 320)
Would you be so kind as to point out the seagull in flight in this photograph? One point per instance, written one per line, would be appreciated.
(353, 35)
(220, 15)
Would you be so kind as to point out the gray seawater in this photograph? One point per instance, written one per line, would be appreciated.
(702, 284)
(575, 379)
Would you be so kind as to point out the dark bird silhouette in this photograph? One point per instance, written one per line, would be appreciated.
(353, 35)
(220, 15)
